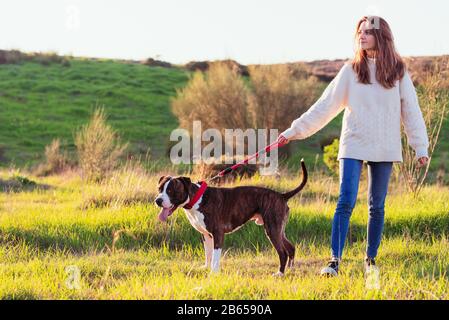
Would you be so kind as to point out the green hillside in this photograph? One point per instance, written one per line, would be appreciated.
(41, 102)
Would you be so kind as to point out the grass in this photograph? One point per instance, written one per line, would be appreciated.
(40, 103)
(42, 232)
(110, 232)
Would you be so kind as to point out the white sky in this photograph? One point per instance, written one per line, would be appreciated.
(249, 31)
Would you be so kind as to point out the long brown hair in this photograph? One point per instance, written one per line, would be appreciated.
(389, 65)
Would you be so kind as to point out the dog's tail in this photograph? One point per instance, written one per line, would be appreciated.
(290, 194)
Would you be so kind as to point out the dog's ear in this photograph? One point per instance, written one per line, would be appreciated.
(161, 178)
(185, 181)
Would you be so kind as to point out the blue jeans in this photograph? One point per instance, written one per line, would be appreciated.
(378, 176)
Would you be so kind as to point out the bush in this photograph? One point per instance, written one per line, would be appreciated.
(434, 101)
(156, 63)
(44, 58)
(218, 99)
(11, 56)
(56, 161)
(278, 96)
(275, 96)
(205, 65)
(47, 58)
(98, 147)
(330, 157)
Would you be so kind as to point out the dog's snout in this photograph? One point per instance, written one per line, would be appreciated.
(159, 202)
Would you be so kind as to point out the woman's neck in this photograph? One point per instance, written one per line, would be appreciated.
(371, 54)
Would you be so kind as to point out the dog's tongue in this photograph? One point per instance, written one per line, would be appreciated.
(165, 212)
(163, 215)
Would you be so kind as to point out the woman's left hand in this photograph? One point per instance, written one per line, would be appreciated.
(422, 162)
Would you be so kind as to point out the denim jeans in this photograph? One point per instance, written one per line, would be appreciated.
(378, 176)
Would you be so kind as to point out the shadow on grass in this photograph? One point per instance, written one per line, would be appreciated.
(21, 295)
(21, 184)
(179, 234)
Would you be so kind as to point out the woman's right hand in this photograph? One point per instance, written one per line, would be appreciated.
(282, 140)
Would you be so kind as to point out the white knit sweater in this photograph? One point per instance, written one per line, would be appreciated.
(372, 118)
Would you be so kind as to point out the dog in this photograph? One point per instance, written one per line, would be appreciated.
(223, 210)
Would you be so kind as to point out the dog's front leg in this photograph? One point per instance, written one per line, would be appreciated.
(208, 242)
(218, 244)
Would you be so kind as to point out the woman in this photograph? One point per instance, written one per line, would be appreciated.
(376, 92)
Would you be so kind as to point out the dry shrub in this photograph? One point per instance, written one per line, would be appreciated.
(11, 56)
(278, 97)
(56, 161)
(325, 70)
(47, 58)
(156, 63)
(205, 65)
(218, 99)
(98, 147)
(55, 158)
(420, 67)
(44, 58)
(281, 93)
(434, 100)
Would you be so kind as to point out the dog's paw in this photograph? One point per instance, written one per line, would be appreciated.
(278, 274)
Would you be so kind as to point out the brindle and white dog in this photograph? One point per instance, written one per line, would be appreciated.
(224, 210)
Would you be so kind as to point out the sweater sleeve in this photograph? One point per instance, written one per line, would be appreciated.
(412, 117)
(327, 107)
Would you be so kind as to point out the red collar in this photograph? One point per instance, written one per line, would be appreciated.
(197, 195)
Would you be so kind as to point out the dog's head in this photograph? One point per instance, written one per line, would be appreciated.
(173, 191)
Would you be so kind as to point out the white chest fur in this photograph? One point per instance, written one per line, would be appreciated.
(196, 219)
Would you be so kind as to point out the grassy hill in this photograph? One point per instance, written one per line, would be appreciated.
(40, 102)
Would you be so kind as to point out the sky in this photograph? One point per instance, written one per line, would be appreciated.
(249, 31)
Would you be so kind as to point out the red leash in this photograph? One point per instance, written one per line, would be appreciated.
(258, 153)
(203, 186)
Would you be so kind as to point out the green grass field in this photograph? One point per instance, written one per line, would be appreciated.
(110, 233)
(43, 232)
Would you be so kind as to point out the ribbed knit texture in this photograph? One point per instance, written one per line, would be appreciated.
(372, 118)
